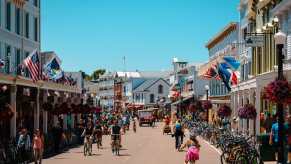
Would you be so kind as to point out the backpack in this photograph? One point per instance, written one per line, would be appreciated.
(192, 154)
(178, 128)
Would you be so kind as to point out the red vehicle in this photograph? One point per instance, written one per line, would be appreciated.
(146, 117)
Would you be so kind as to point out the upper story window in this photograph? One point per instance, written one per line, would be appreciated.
(35, 3)
(27, 25)
(35, 29)
(161, 89)
(8, 16)
(152, 98)
(17, 21)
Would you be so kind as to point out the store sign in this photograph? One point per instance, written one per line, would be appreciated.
(254, 41)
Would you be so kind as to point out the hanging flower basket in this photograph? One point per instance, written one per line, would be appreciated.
(248, 111)
(6, 113)
(192, 107)
(224, 111)
(278, 91)
(207, 105)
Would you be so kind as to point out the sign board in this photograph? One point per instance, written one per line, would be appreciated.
(254, 41)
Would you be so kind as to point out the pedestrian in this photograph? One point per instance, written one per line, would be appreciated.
(288, 133)
(57, 133)
(38, 146)
(24, 146)
(193, 146)
(274, 137)
(178, 134)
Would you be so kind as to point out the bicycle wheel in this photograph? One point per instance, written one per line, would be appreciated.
(255, 159)
(241, 159)
(223, 159)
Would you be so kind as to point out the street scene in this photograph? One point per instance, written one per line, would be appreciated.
(147, 81)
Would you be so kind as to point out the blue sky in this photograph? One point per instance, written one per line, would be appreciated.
(91, 34)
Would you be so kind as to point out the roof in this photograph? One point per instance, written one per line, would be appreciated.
(155, 74)
(128, 74)
(143, 86)
(147, 84)
(226, 30)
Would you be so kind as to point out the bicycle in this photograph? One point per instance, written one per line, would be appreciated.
(115, 143)
(88, 145)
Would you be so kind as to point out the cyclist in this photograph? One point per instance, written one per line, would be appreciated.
(98, 133)
(88, 134)
(115, 134)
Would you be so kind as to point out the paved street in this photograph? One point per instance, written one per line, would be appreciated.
(148, 146)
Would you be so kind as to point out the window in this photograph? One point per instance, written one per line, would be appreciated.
(161, 89)
(27, 25)
(17, 57)
(35, 29)
(7, 59)
(17, 21)
(152, 98)
(35, 3)
(8, 16)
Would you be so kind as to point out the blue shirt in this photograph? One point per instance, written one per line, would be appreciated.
(275, 131)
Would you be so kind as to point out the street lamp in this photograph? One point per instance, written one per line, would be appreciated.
(280, 39)
(207, 110)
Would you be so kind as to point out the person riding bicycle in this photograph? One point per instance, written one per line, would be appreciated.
(98, 132)
(115, 133)
(88, 132)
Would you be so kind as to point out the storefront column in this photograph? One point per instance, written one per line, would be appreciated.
(45, 114)
(56, 120)
(72, 121)
(258, 107)
(240, 125)
(13, 93)
(65, 123)
(36, 112)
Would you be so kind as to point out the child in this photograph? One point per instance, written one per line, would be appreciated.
(192, 154)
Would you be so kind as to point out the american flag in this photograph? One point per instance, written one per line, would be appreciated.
(32, 63)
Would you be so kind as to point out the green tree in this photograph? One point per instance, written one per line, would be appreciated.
(97, 73)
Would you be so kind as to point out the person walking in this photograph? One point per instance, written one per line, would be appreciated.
(38, 144)
(24, 146)
(57, 133)
(178, 134)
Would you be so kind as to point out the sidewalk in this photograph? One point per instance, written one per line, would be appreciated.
(214, 152)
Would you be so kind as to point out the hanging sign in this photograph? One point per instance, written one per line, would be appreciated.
(254, 41)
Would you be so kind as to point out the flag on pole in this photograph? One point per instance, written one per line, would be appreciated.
(2, 63)
(225, 74)
(32, 64)
(211, 73)
(53, 71)
(232, 62)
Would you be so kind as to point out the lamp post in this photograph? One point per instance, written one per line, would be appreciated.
(207, 110)
(280, 39)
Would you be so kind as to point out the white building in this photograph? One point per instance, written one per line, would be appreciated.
(19, 32)
(106, 90)
(151, 91)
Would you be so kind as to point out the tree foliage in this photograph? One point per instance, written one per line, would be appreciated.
(94, 76)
